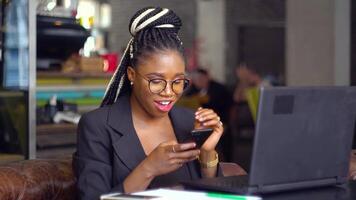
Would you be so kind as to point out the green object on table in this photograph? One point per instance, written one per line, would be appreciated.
(252, 96)
(227, 196)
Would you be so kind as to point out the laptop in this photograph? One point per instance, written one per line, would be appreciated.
(303, 139)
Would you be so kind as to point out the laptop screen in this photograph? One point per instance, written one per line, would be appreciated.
(303, 134)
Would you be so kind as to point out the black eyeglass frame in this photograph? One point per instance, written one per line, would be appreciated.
(186, 83)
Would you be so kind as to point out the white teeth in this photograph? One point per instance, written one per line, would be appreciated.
(164, 102)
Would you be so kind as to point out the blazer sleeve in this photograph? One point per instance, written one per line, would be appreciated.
(93, 159)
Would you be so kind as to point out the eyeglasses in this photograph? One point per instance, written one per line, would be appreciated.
(157, 85)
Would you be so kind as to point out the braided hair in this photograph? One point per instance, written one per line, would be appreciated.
(153, 29)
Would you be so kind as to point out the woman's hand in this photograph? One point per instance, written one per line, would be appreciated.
(208, 118)
(169, 156)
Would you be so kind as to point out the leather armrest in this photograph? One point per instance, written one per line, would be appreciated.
(231, 169)
(352, 167)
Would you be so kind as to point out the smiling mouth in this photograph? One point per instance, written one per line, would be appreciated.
(164, 106)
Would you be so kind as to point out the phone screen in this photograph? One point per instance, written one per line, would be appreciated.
(200, 135)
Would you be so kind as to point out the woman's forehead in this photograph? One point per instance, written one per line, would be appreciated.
(162, 62)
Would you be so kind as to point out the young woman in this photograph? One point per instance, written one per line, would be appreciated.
(137, 139)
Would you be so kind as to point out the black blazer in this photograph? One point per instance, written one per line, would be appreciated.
(108, 149)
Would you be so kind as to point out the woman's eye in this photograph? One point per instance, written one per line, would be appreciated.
(156, 81)
(178, 81)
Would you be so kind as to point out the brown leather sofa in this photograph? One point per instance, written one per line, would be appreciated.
(37, 179)
(54, 179)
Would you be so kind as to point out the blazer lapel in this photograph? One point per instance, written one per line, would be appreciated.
(126, 144)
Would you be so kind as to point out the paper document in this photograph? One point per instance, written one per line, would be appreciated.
(190, 195)
(170, 194)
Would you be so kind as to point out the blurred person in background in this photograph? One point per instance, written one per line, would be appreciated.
(245, 100)
(247, 78)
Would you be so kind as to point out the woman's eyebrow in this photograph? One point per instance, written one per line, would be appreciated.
(155, 74)
(162, 75)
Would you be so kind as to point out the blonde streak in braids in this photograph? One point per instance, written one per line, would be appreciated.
(116, 71)
(121, 83)
(150, 20)
(165, 26)
(138, 19)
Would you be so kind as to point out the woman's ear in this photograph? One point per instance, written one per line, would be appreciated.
(130, 73)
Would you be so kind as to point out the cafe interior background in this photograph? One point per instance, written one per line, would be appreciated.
(56, 57)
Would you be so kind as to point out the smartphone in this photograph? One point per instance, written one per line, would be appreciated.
(200, 135)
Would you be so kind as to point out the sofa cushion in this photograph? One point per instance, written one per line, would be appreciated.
(37, 179)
